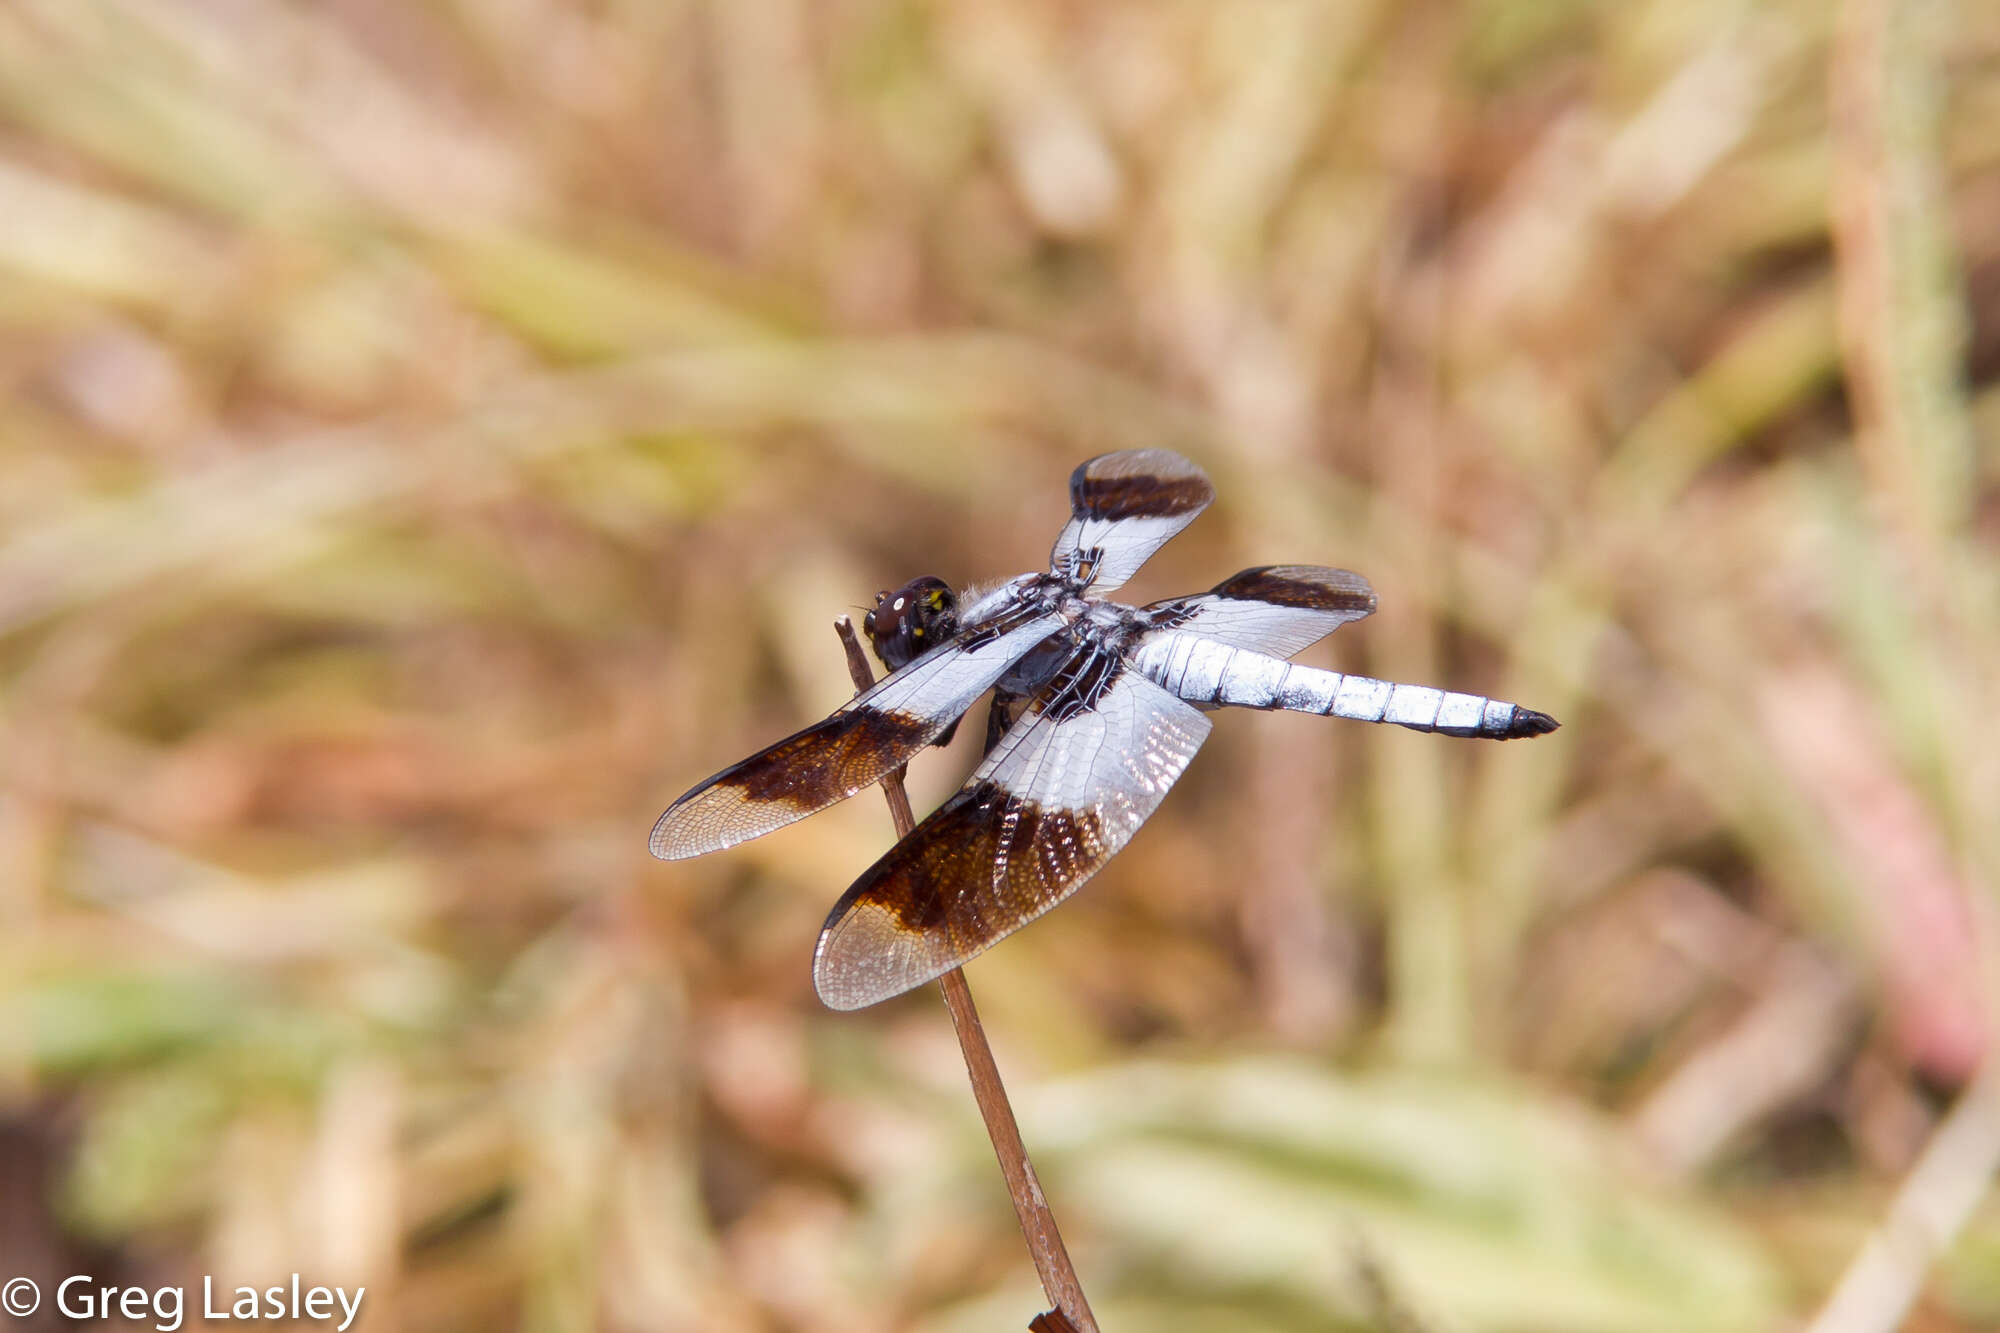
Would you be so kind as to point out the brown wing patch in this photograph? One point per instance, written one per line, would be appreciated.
(807, 771)
(832, 759)
(982, 866)
(1139, 483)
(1307, 587)
(1065, 789)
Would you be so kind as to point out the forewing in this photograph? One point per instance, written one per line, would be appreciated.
(1124, 507)
(839, 755)
(1275, 609)
(1067, 787)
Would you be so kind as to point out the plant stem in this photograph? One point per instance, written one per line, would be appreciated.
(1038, 1224)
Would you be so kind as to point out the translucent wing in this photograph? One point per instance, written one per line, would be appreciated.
(1067, 787)
(848, 750)
(1124, 507)
(1275, 609)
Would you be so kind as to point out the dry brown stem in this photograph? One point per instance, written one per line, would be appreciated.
(1038, 1224)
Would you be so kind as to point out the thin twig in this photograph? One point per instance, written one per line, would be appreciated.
(1038, 1224)
(1930, 1208)
(1901, 313)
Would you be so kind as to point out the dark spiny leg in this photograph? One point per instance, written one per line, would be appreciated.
(999, 717)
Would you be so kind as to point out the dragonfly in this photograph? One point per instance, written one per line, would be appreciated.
(1097, 709)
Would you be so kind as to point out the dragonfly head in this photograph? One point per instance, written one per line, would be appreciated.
(912, 620)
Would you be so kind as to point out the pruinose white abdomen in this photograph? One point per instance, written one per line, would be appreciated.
(1203, 671)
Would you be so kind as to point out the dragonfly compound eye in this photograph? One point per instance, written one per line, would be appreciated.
(915, 617)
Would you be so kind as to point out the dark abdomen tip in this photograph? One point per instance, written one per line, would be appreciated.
(1527, 722)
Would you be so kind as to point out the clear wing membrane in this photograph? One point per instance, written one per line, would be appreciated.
(1066, 789)
(1275, 609)
(855, 746)
(1124, 507)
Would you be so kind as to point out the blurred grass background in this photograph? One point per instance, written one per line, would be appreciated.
(434, 435)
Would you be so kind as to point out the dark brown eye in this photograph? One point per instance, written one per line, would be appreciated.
(911, 619)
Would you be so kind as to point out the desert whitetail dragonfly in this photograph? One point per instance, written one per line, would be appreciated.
(1097, 709)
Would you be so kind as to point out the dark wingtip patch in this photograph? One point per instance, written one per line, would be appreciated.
(1527, 722)
(1138, 483)
(1308, 587)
